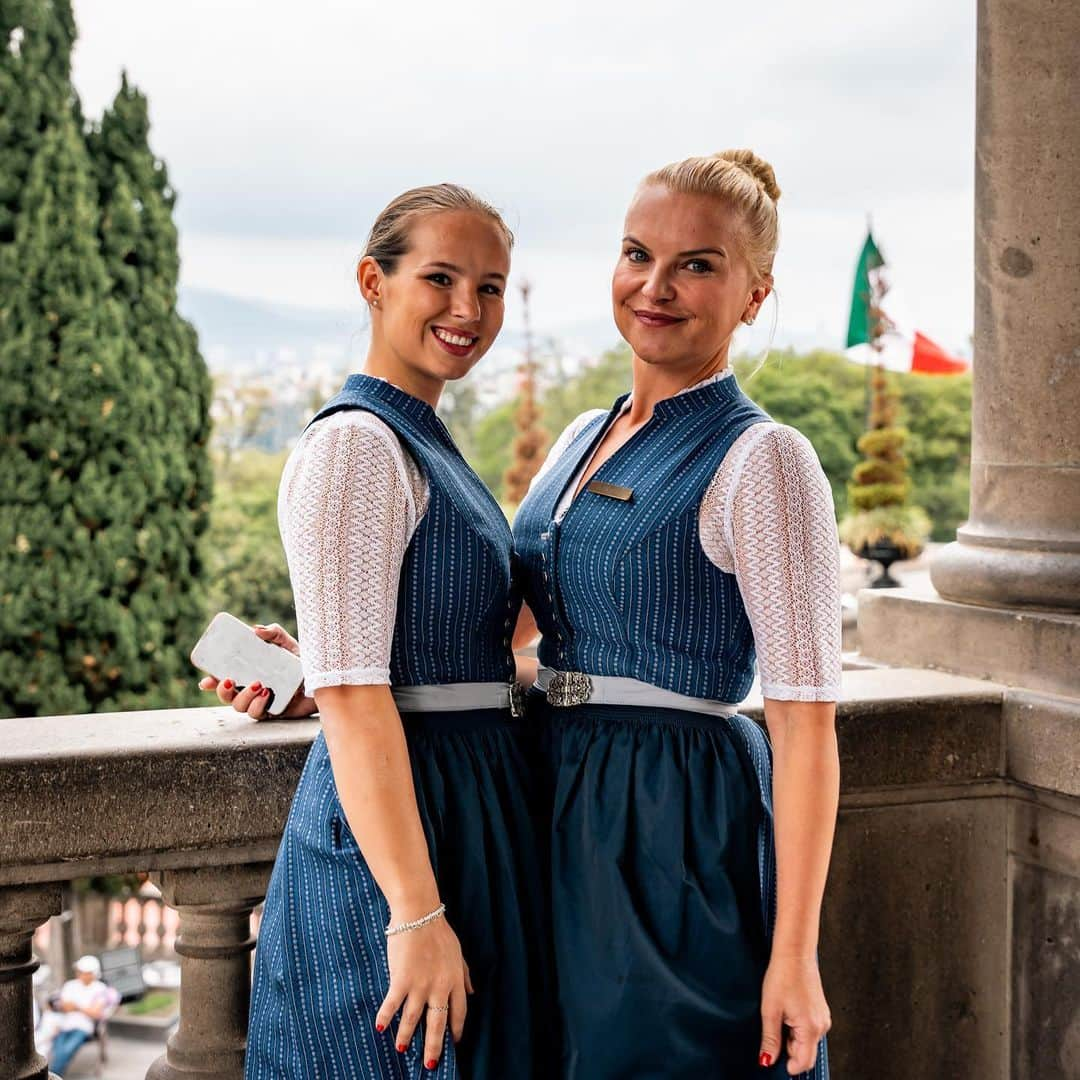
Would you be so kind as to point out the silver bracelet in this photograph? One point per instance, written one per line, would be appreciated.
(405, 927)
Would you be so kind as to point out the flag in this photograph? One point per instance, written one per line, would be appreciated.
(899, 347)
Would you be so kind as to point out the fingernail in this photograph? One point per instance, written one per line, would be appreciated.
(256, 686)
(380, 1028)
(430, 1065)
(228, 684)
(265, 692)
(765, 1060)
(401, 1048)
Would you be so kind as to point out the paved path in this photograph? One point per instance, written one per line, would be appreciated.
(128, 1060)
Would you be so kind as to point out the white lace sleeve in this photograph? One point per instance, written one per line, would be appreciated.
(349, 501)
(565, 439)
(768, 517)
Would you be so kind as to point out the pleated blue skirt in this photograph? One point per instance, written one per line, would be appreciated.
(320, 962)
(662, 878)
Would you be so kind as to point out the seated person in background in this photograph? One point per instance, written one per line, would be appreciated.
(82, 1002)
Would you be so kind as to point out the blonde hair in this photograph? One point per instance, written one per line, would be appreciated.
(741, 180)
(389, 236)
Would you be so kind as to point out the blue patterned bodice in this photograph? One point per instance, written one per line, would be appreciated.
(624, 587)
(456, 604)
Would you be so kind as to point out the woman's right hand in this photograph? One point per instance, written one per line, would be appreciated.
(254, 699)
(426, 969)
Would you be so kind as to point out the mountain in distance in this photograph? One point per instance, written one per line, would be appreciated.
(237, 333)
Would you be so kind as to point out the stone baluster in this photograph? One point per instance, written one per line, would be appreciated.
(22, 909)
(214, 945)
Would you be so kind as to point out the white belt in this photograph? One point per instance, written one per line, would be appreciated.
(459, 697)
(564, 688)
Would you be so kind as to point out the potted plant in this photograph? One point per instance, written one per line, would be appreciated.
(882, 526)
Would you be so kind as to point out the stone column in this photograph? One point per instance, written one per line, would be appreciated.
(23, 908)
(214, 945)
(1021, 544)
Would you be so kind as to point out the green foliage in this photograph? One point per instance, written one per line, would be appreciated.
(35, 90)
(492, 438)
(879, 472)
(247, 570)
(139, 241)
(938, 416)
(100, 416)
(71, 544)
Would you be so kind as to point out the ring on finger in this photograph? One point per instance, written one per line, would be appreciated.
(438, 1008)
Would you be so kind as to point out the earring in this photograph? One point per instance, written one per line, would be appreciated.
(750, 320)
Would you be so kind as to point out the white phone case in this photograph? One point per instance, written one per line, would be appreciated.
(230, 649)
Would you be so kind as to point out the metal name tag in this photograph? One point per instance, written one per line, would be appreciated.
(612, 491)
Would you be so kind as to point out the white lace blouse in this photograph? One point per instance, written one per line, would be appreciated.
(351, 497)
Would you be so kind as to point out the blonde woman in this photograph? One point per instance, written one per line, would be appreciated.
(664, 543)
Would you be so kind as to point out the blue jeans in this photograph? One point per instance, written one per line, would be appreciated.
(63, 1049)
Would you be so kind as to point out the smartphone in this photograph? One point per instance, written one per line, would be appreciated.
(230, 649)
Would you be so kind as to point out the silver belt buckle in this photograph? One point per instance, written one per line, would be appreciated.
(569, 688)
(517, 700)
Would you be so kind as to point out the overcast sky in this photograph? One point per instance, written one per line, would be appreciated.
(286, 127)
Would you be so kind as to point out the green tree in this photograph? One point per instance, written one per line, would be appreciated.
(71, 542)
(139, 241)
(35, 89)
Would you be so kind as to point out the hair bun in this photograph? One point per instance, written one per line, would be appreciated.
(757, 167)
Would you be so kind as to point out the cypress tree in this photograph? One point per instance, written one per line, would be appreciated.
(139, 242)
(36, 38)
(67, 534)
(98, 472)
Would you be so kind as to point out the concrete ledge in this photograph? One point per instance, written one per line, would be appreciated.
(1031, 649)
(118, 792)
(112, 792)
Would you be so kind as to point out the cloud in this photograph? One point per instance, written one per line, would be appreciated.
(288, 127)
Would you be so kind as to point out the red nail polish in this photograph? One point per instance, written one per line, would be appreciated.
(765, 1060)
(380, 1028)
(430, 1065)
(256, 686)
(228, 684)
(401, 1048)
(265, 692)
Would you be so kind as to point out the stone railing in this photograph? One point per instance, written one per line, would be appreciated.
(951, 903)
(198, 798)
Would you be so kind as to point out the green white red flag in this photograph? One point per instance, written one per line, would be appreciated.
(898, 347)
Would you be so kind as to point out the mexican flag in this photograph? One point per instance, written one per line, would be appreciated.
(899, 348)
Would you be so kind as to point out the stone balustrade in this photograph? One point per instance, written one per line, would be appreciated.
(957, 863)
(198, 797)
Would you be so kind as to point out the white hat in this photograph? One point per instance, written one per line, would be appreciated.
(89, 963)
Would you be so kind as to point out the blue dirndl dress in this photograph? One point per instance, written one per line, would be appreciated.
(320, 964)
(662, 859)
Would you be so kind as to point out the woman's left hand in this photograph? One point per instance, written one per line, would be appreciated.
(792, 995)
